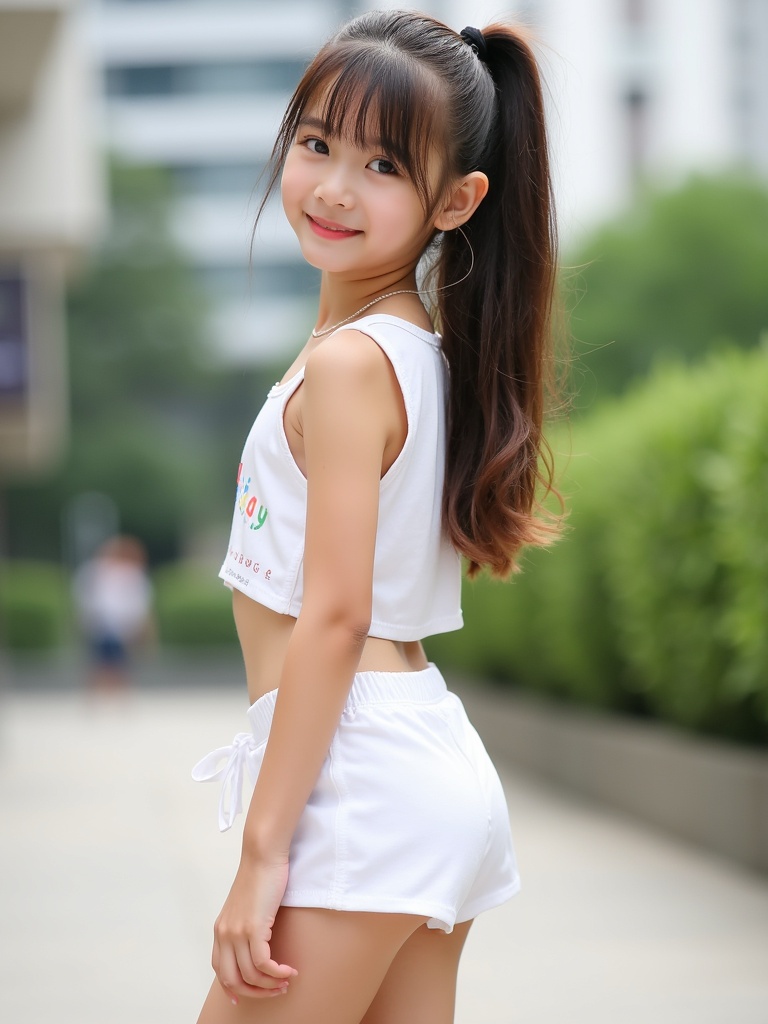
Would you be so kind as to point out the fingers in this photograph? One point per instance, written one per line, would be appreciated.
(239, 975)
(259, 955)
(261, 973)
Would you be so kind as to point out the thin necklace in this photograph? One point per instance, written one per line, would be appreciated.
(401, 291)
(386, 295)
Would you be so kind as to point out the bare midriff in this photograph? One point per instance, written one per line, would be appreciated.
(264, 637)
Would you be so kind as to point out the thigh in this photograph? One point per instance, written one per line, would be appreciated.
(342, 958)
(420, 986)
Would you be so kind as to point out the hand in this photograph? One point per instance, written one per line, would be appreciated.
(241, 955)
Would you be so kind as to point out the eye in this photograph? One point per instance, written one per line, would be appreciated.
(382, 166)
(316, 146)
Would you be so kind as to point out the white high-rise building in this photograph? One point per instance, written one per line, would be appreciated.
(198, 87)
(651, 90)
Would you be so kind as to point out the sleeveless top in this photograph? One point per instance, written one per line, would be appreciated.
(417, 571)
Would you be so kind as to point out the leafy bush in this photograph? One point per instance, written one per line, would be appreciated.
(34, 606)
(679, 273)
(661, 559)
(194, 609)
(656, 599)
(739, 480)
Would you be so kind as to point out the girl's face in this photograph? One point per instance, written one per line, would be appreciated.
(353, 211)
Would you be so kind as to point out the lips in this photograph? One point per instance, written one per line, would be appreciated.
(329, 229)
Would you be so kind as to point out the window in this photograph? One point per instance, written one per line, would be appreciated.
(13, 336)
(207, 78)
(636, 105)
(216, 179)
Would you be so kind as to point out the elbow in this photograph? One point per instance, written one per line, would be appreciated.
(355, 635)
(359, 632)
(353, 627)
(349, 623)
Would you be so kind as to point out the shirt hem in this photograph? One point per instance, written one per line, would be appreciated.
(382, 630)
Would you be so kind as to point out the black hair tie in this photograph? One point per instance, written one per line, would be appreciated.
(474, 37)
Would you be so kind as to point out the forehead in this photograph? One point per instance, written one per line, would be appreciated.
(356, 113)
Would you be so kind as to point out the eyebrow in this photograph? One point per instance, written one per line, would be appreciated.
(306, 121)
(312, 122)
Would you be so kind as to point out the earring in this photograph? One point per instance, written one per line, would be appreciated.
(453, 284)
(463, 234)
(445, 287)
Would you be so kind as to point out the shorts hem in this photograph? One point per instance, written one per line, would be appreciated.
(438, 915)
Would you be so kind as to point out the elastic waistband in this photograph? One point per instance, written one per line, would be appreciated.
(422, 687)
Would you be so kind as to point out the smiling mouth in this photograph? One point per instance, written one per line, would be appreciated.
(327, 227)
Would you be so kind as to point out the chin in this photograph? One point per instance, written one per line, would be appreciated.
(326, 261)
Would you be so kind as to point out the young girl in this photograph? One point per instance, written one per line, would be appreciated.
(378, 829)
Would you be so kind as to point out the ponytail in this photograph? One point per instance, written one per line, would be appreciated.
(495, 328)
(420, 88)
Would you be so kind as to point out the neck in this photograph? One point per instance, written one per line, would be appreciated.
(342, 299)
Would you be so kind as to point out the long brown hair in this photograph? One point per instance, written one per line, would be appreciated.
(418, 87)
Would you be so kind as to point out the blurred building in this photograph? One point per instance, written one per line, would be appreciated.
(199, 87)
(52, 207)
(651, 90)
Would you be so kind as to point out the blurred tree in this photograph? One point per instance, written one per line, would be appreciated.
(679, 274)
(137, 320)
(151, 422)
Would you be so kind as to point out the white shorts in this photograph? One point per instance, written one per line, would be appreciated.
(408, 814)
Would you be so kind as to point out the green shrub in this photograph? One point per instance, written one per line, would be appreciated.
(34, 606)
(490, 633)
(194, 608)
(656, 598)
(680, 272)
(663, 568)
(739, 478)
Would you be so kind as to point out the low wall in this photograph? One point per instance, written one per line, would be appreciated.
(704, 791)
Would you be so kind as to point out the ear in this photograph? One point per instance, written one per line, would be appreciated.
(463, 199)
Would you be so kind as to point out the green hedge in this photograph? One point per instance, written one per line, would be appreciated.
(34, 606)
(193, 608)
(657, 597)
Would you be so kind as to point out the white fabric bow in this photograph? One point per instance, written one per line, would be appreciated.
(241, 752)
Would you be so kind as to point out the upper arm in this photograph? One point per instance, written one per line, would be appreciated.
(348, 413)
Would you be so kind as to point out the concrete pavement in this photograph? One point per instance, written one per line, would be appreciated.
(112, 871)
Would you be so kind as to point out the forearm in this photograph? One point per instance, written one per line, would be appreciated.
(319, 667)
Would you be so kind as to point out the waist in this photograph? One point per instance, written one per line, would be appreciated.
(425, 686)
(265, 634)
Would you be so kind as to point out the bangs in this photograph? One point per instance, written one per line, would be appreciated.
(373, 96)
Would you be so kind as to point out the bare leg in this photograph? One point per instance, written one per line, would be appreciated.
(420, 986)
(342, 959)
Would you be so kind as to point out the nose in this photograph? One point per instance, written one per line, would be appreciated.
(334, 189)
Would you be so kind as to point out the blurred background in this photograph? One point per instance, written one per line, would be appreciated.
(136, 342)
(138, 335)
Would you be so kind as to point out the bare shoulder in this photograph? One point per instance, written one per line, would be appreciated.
(348, 358)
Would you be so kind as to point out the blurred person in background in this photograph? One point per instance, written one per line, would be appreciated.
(113, 599)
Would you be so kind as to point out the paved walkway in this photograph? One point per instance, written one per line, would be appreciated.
(112, 871)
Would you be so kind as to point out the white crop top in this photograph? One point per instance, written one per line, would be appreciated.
(417, 571)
